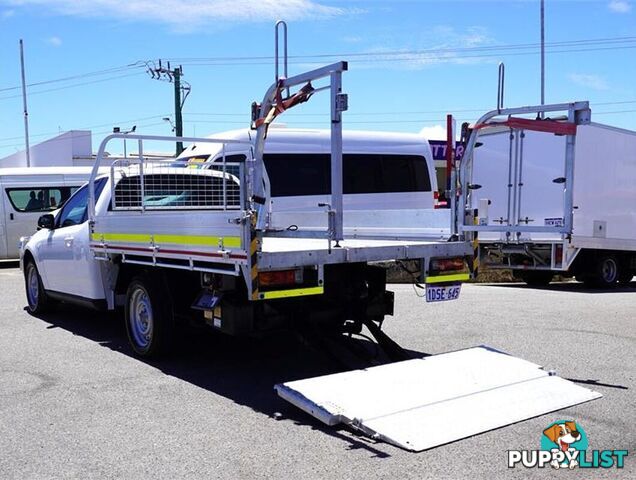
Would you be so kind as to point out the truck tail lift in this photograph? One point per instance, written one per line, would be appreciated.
(227, 248)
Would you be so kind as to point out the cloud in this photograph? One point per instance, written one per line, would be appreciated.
(190, 14)
(619, 6)
(444, 44)
(54, 41)
(436, 132)
(594, 82)
(7, 14)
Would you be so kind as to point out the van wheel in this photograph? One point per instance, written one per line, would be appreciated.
(148, 316)
(536, 278)
(37, 299)
(606, 272)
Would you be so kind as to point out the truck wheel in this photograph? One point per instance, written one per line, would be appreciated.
(625, 276)
(37, 299)
(148, 317)
(606, 271)
(536, 278)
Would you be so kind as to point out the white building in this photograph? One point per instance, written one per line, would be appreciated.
(73, 148)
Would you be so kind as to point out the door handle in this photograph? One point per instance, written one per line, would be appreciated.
(11, 216)
(68, 241)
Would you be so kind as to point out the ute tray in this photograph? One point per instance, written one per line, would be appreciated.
(425, 402)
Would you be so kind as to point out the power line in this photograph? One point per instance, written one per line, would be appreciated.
(74, 85)
(80, 75)
(607, 43)
(597, 41)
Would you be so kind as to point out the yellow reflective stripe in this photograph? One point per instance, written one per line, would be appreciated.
(199, 240)
(297, 292)
(459, 277)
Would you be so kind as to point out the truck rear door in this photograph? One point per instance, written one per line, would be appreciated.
(521, 173)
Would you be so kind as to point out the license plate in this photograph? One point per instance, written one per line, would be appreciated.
(442, 293)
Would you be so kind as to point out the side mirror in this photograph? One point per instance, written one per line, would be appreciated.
(46, 221)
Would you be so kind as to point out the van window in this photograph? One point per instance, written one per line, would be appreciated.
(310, 174)
(39, 199)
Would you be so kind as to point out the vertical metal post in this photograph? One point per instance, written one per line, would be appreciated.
(224, 178)
(24, 102)
(500, 86)
(276, 75)
(510, 179)
(522, 135)
(542, 55)
(568, 201)
(515, 176)
(336, 156)
(142, 186)
(450, 143)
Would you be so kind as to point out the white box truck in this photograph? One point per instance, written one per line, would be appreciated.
(555, 195)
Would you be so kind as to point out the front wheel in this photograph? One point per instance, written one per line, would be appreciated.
(148, 316)
(37, 299)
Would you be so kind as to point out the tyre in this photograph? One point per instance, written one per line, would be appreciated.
(606, 272)
(625, 276)
(148, 317)
(37, 300)
(536, 278)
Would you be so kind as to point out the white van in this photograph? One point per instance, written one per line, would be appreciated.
(383, 173)
(27, 193)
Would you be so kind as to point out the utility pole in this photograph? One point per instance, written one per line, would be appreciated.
(178, 119)
(181, 92)
(24, 102)
(542, 54)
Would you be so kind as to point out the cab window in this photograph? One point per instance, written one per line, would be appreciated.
(39, 199)
(75, 210)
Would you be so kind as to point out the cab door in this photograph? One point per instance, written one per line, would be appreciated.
(65, 256)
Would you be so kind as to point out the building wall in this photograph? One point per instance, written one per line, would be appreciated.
(66, 150)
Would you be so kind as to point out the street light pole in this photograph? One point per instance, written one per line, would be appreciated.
(125, 132)
(24, 102)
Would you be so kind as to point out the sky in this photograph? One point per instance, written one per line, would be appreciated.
(411, 62)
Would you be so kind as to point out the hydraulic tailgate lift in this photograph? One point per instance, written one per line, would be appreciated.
(426, 402)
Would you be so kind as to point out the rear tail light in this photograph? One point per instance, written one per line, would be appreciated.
(558, 253)
(442, 265)
(280, 278)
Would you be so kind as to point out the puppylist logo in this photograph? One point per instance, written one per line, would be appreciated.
(564, 444)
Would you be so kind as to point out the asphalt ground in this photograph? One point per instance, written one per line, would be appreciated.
(74, 402)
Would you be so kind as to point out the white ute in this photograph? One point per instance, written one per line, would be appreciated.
(168, 241)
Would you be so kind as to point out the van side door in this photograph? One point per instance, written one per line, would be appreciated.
(3, 226)
(24, 204)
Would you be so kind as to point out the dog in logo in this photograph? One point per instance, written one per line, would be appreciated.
(563, 435)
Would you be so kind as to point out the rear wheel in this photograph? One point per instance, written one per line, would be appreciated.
(37, 299)
(625, 275)
(606, 272)
(536, 278)
(148, 316)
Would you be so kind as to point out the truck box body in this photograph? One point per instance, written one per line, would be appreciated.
(604, 179)
(519, 179)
